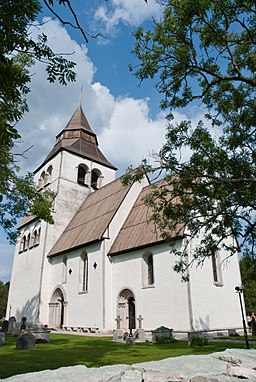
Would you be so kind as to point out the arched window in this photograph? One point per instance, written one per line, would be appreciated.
(95, 177)
(22, 243)
(64, 270)
(216, 269)
(26, 241)
(48, 175)
(43, 176)
(32, 240)
(147, 270)
(35, 239)
(150, 270)
(40, 183)
(41, 180)
(83, 273)
(82, 174)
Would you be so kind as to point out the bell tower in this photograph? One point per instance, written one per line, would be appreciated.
(74, 168)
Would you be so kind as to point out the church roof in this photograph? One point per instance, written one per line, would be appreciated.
(97, 211)
(139, 231)
(92, 218)
(79, 139)
(79, 120)
(28, 218)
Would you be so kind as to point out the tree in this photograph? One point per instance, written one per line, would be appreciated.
(4, 288)
(18, 51)
(248, 274)
(203, 52)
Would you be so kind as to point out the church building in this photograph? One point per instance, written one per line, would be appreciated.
(103, 260)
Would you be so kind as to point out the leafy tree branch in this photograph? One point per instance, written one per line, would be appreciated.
(203, 53)
(18, 52)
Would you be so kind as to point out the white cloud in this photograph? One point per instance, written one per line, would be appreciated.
(131, 135)
(124, 130)
(129, 12)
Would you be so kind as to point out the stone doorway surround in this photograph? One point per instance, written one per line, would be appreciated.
(126, 309)
(57, 307)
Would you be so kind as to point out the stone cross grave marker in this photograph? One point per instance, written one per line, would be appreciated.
(118, 322)
(140, 319)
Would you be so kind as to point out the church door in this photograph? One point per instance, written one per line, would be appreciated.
(126, 309)
(131, 310)
(57, 309)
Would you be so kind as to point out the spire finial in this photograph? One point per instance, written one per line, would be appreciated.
(81, 96)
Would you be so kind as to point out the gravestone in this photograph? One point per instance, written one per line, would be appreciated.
(5, 325)
(2, 338)
(15, 331)
(140, 319)
(118, 333)
(12, 324)
(25, 341)
(140, 336)
(193, 334)
(130, 340)
(162, 334)
(40, 332)
(118, 322)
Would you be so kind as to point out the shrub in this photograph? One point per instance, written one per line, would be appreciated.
(198, 341)
(165, 340)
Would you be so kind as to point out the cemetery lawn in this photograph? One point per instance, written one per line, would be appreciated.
(69, 350)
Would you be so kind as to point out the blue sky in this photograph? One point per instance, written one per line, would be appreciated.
(125, 116)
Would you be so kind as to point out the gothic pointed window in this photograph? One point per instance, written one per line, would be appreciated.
(147, 270)
(64, 270)
(83, 273)
(150, 270)
(216, 270)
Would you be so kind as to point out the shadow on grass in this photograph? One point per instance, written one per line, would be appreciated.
(70, 350)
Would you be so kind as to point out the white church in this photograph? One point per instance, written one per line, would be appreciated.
(104, 258)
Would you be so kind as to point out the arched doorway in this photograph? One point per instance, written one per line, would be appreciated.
(126, 309)
(57, 308)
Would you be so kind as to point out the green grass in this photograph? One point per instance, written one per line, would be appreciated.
(69, 350)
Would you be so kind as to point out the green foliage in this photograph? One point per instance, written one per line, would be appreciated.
(4, 289)
(198, 341)
(203, 53)
(18, 51)
(165, 340)
(248, 274)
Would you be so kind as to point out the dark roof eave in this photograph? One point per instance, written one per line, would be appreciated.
(71, 151)
(136, 248)
(121, 252)
(74, 248)
(21, 225)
